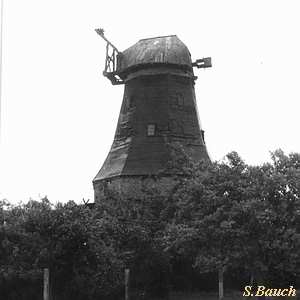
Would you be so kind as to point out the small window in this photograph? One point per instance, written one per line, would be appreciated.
(151, 129)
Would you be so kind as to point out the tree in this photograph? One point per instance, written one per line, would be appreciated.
(231, 215)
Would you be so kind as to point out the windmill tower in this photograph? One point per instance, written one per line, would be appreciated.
(158, 109)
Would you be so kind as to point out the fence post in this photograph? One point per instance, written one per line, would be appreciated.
(221, 286)
(127, 274)
(46, 284)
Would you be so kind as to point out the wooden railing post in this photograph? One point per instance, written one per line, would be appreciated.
(127, 275)
(221, 285)
(46, 284)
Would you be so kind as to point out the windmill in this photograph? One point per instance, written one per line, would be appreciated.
(158, 109)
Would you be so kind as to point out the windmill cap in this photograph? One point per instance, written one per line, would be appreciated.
(157, 50)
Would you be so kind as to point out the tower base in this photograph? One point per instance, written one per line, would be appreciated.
(133, 187)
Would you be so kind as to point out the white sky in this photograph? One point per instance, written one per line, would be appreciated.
(59, 113)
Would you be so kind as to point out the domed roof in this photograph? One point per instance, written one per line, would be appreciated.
(163, 49)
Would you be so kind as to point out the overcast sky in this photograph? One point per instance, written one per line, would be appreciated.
(59, 113)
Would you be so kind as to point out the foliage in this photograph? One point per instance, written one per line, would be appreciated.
(245, 219)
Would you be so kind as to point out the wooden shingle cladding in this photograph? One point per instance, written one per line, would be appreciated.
(165, 101)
